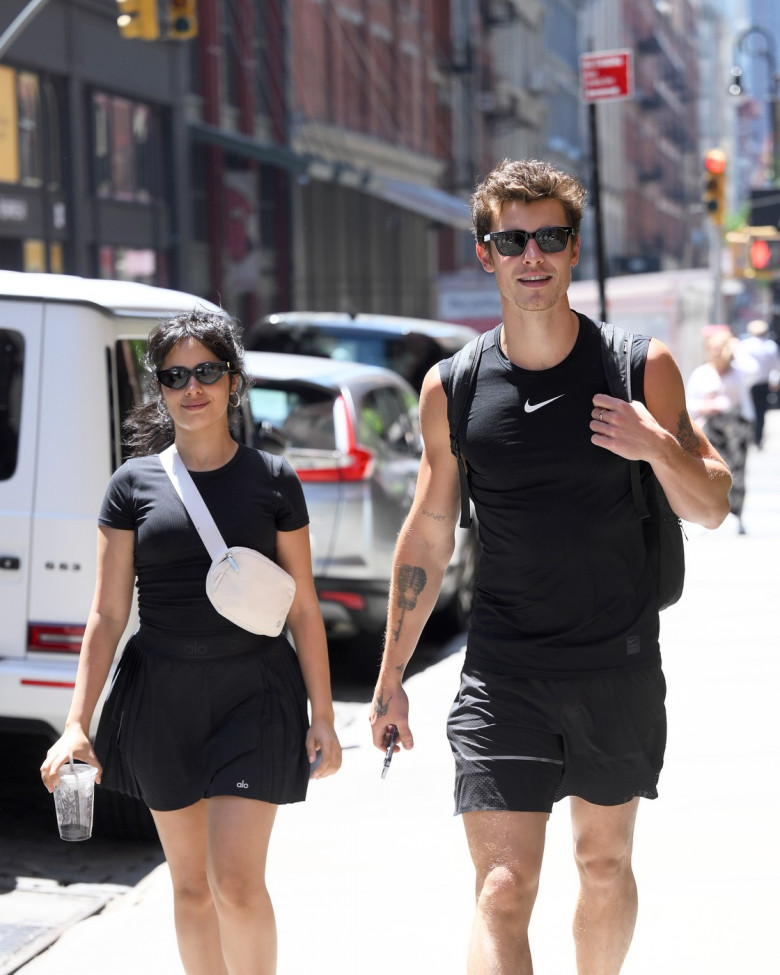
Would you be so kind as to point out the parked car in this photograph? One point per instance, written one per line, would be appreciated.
(408, 346)
(70, 367)
(351, 431)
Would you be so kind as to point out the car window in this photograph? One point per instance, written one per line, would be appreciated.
(296, 416)
(11, 362)
(388, 421)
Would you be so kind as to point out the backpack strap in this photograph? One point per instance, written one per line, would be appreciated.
(462, 379)
(616, 355)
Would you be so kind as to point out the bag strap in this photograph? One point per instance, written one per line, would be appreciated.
(193, 501)
(616, 344)
(461, 382)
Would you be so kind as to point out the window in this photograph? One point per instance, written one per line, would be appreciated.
(388, 422)
(295, 417)
(132, 377)
(11, 360)
(124, 139)
(128, 264)
(30, 130)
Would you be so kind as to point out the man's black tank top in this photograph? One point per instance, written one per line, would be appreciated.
(564, 586)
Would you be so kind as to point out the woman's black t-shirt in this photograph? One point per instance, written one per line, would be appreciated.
(564, 585)
(252, 497)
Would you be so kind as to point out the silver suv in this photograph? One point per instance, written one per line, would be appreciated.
(408, 346)
(351, 432)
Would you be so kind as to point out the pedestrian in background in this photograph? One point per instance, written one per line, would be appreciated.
(758, 344)
(718, 398)
(562, 692)
(206, 722)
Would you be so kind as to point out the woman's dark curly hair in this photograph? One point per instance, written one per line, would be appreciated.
(148, 427)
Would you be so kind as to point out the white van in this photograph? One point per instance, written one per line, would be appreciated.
(70, 368)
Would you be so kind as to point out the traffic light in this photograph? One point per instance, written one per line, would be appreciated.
(764, 253)
(138, 19)
(182, 19)
(715, 184)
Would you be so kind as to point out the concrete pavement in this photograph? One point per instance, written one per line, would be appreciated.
(374, 875)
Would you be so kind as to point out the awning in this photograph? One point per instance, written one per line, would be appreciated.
(429, 201)
(244, 145)
(426, 200)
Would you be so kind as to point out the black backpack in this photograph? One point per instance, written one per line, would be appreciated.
(663, 530)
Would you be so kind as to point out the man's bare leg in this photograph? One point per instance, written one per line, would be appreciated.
(606, 910)
(507, 850)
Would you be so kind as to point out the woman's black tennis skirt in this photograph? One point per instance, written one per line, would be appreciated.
(179, 726)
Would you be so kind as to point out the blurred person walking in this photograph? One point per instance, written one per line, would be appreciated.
(758, 344)
(205, 721)
(562, 692)
(718, 397)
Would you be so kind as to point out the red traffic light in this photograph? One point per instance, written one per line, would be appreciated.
(765, 254)
(715, 162)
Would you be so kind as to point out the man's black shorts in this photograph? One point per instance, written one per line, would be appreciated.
(521, 744)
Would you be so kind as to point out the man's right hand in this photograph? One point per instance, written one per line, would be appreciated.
(390, 707)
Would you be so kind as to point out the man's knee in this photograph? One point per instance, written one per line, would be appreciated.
(507, 893)
(603, 866)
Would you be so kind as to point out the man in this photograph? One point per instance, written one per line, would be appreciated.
(764, 350)
(562, 692)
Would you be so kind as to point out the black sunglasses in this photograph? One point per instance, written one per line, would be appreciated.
(512, 243)
(206, 373)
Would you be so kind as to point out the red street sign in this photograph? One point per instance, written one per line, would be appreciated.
(607, 75)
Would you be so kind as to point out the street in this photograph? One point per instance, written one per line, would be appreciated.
(373, 874)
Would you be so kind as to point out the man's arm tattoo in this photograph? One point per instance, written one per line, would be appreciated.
(686, 435)
(410, 583)
(431, 514)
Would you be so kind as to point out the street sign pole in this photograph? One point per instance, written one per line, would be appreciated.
(596, 188)
(606, 76)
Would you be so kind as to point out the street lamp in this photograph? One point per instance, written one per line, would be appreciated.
(736, 86)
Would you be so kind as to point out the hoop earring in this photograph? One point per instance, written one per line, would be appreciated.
(162, 409)
(237, 402)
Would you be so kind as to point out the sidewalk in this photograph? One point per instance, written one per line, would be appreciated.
(374, 875)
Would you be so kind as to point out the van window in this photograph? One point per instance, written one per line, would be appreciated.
(11, 360)
(132, 389)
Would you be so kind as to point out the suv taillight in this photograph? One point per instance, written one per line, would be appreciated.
(356, 463)
(354, 466)
(55, 638)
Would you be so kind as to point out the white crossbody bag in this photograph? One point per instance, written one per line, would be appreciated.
(243, 585)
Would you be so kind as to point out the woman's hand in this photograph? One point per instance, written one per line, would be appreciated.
(75, 744)
(322, 742)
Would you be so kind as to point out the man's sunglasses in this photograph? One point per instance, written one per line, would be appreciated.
(512, 243)
(206, 373)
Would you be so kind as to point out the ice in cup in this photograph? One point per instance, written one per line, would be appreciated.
(74, 801)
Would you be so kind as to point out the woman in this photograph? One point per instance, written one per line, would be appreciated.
(718, 398)
(206, 722)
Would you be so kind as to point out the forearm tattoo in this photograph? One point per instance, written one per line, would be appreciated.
(409, 584)
(686, 435)
(431, 514)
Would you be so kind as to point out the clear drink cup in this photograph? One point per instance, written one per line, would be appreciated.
(74, 801)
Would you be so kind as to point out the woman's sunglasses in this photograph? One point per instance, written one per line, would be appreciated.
(206, 373)
(512, 243)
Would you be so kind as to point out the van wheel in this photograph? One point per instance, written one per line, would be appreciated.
(118, 816)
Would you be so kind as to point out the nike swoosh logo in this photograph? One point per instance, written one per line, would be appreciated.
(537, 406)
